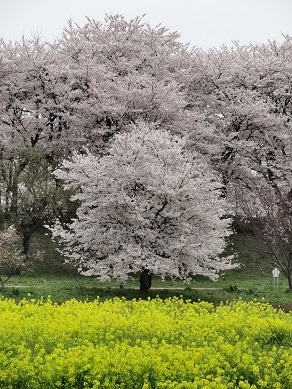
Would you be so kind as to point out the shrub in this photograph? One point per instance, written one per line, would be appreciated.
(12, 260)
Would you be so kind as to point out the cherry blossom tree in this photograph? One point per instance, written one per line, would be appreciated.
(91, 83)
(149, 206)
(33, 124)
(122, 71)
(245, 95)
(33, 93)
(267, 211)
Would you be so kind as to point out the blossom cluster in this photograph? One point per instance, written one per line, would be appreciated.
(163, 344)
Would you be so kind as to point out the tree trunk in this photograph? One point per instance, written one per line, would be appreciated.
(2, 219)
(26, 237)
(290, 281)
(2, 285)
(145, 280)
(14, 199)
(122, 285)
(289, 273)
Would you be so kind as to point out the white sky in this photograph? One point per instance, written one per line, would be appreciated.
(202, 23)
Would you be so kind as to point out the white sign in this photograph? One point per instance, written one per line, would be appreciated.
(276, 273)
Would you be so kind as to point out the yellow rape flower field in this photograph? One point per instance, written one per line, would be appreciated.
(171, 344)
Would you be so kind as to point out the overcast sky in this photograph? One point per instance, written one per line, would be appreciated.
(202, 23)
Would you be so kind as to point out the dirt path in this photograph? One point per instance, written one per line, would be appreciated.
(116, 287)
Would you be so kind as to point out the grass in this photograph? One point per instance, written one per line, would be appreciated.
(253, 280)
(233, 286)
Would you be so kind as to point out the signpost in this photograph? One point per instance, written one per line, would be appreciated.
(276, 273)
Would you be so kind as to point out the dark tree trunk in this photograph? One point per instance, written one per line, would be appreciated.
(26, 237)
(145, 280)
(2, 218)
(14, 199)
(2, 285)
(289, 273)
(290, 281)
